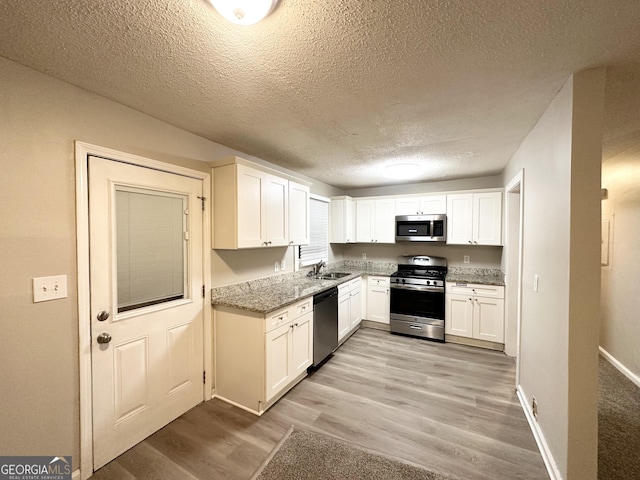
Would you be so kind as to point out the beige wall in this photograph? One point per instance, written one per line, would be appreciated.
(40, 119)
(558, 358)
(620, 328)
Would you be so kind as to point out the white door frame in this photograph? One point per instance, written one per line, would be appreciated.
(82, 151)
(517, 182)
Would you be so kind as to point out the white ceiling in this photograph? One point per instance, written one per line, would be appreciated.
(337, 90)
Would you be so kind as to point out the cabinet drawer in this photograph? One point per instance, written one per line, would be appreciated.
(378, 281)
(355, 285)
(303, 307)
(278, 318)
(490, 291)
(288, 313)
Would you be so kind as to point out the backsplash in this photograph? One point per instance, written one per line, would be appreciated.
(260, 283)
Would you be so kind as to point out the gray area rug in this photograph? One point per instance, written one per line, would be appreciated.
(303, 455)
(618, 425)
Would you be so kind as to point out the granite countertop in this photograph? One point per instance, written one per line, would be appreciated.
(272, 293)
(482, 276)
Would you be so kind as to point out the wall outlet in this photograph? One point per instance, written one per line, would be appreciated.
(282, 265)
(49, 288)
(276, 266)
(466, 259)
(534, 407)
(364, 256)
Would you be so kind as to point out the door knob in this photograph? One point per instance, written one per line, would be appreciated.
(102, 316)
(104, 338)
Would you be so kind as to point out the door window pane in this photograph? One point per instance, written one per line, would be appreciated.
(151, 247)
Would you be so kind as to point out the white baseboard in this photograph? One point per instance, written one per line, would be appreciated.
(624, 370)
(75, 475)
(547, 457)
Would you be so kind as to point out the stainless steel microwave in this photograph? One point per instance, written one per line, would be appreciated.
(421, 228)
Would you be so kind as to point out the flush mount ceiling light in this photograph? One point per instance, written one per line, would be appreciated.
(402, 171)
(244, 12)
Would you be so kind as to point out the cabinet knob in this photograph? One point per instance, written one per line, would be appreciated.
(470, 241)
(475, 242)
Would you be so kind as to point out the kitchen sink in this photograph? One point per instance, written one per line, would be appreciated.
(332, 275)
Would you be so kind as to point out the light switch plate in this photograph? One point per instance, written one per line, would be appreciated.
(49, 288)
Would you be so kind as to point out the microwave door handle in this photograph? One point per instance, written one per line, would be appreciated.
(431, 227)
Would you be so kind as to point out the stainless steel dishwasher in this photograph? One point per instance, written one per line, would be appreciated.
(325, 324)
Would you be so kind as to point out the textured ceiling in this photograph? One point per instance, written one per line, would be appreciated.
(337, 90)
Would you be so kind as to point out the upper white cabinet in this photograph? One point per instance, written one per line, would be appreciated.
(343, 220)
(421, 205)
(299, 221)
(474, 218)
(375, 220)
(251, 208)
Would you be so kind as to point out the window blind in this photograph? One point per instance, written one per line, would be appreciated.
(318, 248)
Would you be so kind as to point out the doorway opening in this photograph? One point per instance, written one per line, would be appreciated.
(514, 210)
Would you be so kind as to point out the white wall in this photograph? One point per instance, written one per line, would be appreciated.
(558, 360)
(620, 328)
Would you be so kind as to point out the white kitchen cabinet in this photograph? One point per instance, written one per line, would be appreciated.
(261, 357)
(299, 221)
(250, 208)
(349, 307)
(474, 218)
(421, 205)
(355, 304)
(475, 311)
(375, 220)
(343, 220)
(378, 299)
(289, 351)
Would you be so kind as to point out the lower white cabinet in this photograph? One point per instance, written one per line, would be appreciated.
(475, 311)
(349, 307)
(289, 351)
(258, 357)
(378, 299)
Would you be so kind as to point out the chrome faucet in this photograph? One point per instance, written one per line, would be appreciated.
(318, 266)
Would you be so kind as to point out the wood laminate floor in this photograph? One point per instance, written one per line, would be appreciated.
(448, 407)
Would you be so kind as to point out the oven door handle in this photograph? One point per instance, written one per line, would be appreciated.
(419, 288)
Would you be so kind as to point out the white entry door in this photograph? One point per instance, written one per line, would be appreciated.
(146, 277)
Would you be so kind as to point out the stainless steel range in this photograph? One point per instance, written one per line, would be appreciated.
(417, 297)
